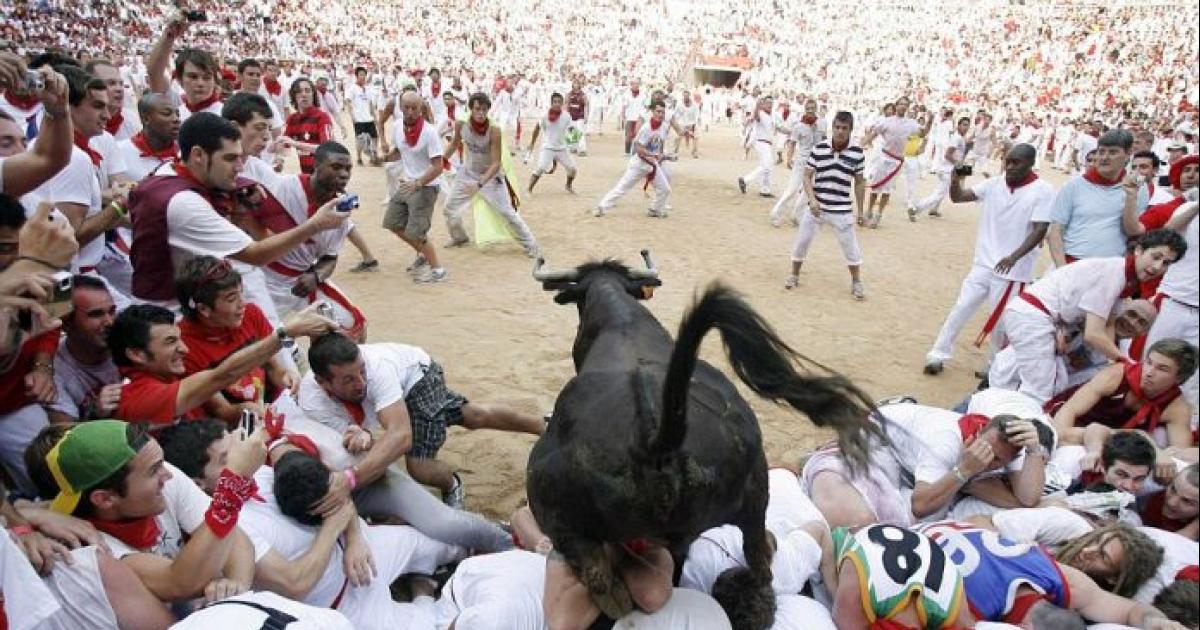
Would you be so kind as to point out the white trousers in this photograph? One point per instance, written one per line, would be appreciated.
(981, 285)
(548, 157)
(843, 228)
(793, 200)
(766, 163)
(634, 175)
(912, 174)
(1031, 338)
(935, 198)
(1179, 320)
(495, 192)
(280, 287)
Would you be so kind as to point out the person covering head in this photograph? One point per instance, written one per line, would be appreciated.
(86, 456)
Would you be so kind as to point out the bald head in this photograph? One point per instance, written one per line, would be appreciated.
(1018, 164)
(150, 101)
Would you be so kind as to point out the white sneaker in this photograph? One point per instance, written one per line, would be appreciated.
(858, 290)
(430, 275)
(792, 282)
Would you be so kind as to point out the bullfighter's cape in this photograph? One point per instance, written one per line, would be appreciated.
(490, 227)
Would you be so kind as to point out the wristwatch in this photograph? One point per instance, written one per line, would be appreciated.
(284, 338)
(958, 474)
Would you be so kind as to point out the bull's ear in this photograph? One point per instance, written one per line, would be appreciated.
(568, 292)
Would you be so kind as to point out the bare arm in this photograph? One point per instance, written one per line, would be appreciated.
(928, 498)
(1097, 336)
(389, 446)
(493, 155)
(1098, 605)
(537, 129)
(994, 491)
(1084, 398)
(958, 194)
(1032, 240)
(159, 58)
(294, 579)
(807, 181)
(52, 152)
(198, 563)
(1058, 247)
(1129, 216)
(239, 566)
(1179, 221)
(860, 192)
(273, 247)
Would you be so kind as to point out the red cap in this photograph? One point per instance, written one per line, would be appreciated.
(1176, 171)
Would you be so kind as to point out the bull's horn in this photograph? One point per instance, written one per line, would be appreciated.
(650, 272)
(569, 275)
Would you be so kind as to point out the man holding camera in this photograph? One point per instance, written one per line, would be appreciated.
(952, 150)
(1014, 219)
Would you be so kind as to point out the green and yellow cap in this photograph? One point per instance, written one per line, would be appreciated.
(88, 454)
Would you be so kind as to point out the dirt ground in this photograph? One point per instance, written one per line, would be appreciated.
(502, 339)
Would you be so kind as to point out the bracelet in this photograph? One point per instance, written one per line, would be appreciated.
(120, 210)
(351, 477)
(41, 262)
(232, 491)
(958, 474)
(21, 530)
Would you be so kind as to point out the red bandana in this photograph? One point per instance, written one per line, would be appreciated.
(553, 115)
(1029, 179)
(202, 105)
(971, 425)
(1094, 176)
(1151, 409)
(412, 132)
(169, 153)
(808, 119)
(435, 88)
(114, 123)
(450, 110)
(26, 102)
(655, 124)
(785, 112)
(274, 88)
(1190, 573)
(1132, 285)
(82, 143)
(480, 128)
(356, 412)
(140, 533)
(633, 91)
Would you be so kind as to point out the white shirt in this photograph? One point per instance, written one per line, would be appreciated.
(633, 106)
(688, 114)
(229, 615)
(1044, 526)
(131, 123)
(176, 97)
(186, 505)
(764, 127)
(653, 140)
(78, 183)
(417, 159)
(928, 440)
(359, 97)
(797, 558)
(1182, 280)
(1007, 218)
(554, 134)
(289, 190)
(1178, 553)
(195, 229)
(1089, 286)
(392, 371)
(137, 167)
(495, 590)
(895, 131)
(113, 162)
(797, 612)
(27, 601)
(959, 144)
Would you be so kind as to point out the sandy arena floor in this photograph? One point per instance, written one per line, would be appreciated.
(502, 339)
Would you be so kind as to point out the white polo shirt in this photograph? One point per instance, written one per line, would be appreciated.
(1092, 285)
(1182, 280)
(392, 371)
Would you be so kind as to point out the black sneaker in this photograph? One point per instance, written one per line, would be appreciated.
(366, 265)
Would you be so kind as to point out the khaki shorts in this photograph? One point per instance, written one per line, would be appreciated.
(411, 212)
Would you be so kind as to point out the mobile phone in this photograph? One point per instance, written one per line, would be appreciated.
(58, 303)
(347, 203)
(964, 170)
(195, 16)
(34, 81)
(247, 421)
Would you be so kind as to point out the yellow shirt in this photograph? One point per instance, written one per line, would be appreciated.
(912, 147)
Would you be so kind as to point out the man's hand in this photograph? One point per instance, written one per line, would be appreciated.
(305, 284)
(357, 561)
(1161, 623)
(327, 217)
(1005, 265)
(308, 323)
(1092, 463)
(356, 439)
(1023, 434)
(42, 552)
(221, 588)
(176, 26)
(48, 236)
(12, 71)
(1164, 467)
(1132, 184)
(470, 187)
(108, 399)
(246, 455)
(407, 187)
(337, 495)
(976, 458)
(54, 95)
(814, 207)
(39, 385)
(68, 530)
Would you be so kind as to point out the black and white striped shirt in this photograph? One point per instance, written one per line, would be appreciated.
(833, 180)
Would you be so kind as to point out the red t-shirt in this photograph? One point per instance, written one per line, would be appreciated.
(12, 382)
(148, 398)
(209, 347)
(1152, 514)
(311, 127)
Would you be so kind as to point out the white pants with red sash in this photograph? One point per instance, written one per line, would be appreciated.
(638, 172)
(1031, 335)
(980, 285)
(281, 279)
(766, 163)
(882, 179)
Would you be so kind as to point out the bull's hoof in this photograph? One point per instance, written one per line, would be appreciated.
(608, 591)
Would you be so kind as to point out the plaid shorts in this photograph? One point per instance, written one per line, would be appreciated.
(432, 407)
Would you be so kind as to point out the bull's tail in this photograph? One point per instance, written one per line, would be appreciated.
(769, 367)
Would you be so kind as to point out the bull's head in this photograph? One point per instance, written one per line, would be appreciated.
(572, 284)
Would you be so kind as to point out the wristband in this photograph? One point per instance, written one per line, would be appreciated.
(227, 499)
(351, 477)
(21, 530)
(958, 474)
(119, 209)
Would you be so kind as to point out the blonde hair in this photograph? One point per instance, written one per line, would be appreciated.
(1142, 555)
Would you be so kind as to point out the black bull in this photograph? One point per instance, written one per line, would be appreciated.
(648, 443)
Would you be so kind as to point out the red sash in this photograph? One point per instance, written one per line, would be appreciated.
(331, 292)
(994, 318)
(887, 178)
(1035, 302)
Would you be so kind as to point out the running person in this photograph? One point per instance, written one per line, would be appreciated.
(579, 107)
(554, 143)
(895, 131)
(481, 174)
(762, 139)
(646, 163)
(688, 115)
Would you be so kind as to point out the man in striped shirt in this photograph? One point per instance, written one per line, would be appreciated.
(833, 170)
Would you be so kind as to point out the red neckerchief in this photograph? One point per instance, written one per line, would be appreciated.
(833, 145)
(1190, 573)
(183, 171)
(435, 88)
(321, 89)
(82, 143)
(655, 124)
(114, 123)
(1094, 176)
(274, 88)
(202, 105)
(450, 110)
(26, 102)
(1150, 188)
(412, 133)
(785, 112)
(1132, 285)
(480, 128)
(634, 92)
(1150, 411)
(1021, 605)
(356, 412)
(808, 119)
(970, 425)
(306, 185)
(1029, 179)
(139, 533)
(170, 153)
(553, 115)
